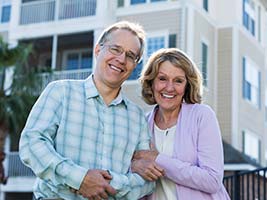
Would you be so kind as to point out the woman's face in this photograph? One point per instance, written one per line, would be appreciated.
(169, 86)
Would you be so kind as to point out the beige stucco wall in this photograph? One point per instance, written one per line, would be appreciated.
(224, 85)
(156, 21)
(206, 32)
(251, 117)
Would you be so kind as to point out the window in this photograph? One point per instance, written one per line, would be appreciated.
(137, 1)
(206, 5)
(153, 44)
(251, 145)
(78, 60)
(251, 82)
(204, 63)
(172, 40)
(5, 16)
(120, 3)
(249, 16)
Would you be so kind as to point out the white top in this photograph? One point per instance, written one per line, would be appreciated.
(164, 139)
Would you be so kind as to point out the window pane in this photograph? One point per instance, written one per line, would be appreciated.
(206, 5)
(86, 61)
(72, 61)
(5, 14)
(137, 1)
(249, 16)
(204, 63)
(154, 44)
(136, 72)
(251, 82)
(120, 3)
(172, 40)
(251, 145)
(156, 0)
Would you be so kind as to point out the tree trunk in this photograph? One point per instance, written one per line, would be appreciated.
(3, 134)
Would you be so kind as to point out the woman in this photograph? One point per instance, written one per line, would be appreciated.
(187, 157)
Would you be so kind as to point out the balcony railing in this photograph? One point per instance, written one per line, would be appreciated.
(67, 74)
(46, 10)
(16, 167)
(247, 185)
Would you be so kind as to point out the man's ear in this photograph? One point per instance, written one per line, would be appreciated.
(97, 50)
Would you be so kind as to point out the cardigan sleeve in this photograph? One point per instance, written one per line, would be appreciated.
(206, 173)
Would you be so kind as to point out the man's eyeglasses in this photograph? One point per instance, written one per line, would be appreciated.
(118, 50)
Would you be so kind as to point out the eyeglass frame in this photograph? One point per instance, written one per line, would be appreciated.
(135, 60)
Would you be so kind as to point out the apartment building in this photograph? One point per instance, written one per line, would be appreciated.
(227, 39)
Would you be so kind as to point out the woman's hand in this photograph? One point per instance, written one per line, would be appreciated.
(149, 170)
(149, 155)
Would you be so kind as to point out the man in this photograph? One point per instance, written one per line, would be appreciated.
(81, 134)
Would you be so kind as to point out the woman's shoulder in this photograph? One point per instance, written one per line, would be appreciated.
(199, 108)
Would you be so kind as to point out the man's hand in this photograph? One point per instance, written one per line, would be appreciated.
(147, 169)
(95, 185)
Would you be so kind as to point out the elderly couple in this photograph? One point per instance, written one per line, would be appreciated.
(85, 140)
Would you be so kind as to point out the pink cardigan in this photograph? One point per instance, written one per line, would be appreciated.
(197, 162)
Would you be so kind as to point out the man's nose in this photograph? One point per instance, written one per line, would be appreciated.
(122, 58)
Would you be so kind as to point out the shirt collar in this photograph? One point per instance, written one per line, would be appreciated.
(91, 92)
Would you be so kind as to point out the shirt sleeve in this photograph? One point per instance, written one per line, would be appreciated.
(36, 147)
(132, 186)
(207, 173)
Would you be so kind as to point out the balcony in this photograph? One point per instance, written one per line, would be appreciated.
(52, 10)
(67, 74)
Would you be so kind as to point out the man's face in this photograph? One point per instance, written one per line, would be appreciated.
(115, 59)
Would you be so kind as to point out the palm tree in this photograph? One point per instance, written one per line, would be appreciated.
(16, 93)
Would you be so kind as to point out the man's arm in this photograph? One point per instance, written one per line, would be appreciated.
(37, 141)
(130, 186)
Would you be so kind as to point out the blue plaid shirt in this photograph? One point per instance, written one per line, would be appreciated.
(70, 130)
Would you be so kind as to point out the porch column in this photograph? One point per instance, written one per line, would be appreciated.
(54, 52)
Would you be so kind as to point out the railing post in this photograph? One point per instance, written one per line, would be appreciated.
(236, 186)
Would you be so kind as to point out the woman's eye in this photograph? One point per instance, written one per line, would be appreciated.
(178, 81)
(162, 78)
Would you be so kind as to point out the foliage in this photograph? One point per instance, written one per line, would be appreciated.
(16, 100)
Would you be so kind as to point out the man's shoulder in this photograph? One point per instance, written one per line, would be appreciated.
(66, 83)
(132, 106)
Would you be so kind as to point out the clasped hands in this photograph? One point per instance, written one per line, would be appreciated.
(144, 164)
(95, 185)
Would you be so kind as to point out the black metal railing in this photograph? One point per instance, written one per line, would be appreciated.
(247, 185)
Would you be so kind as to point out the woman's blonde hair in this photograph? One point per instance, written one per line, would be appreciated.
(193, 90)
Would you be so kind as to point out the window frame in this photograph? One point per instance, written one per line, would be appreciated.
(249, 88)
(66, 53)
(5, 18)
(249, 16)
(250, 135)
(205, 76)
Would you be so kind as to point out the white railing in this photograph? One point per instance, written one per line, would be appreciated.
(67, 74)
(46, 10)
(16, 167)
(37, 11)
(74, 8)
